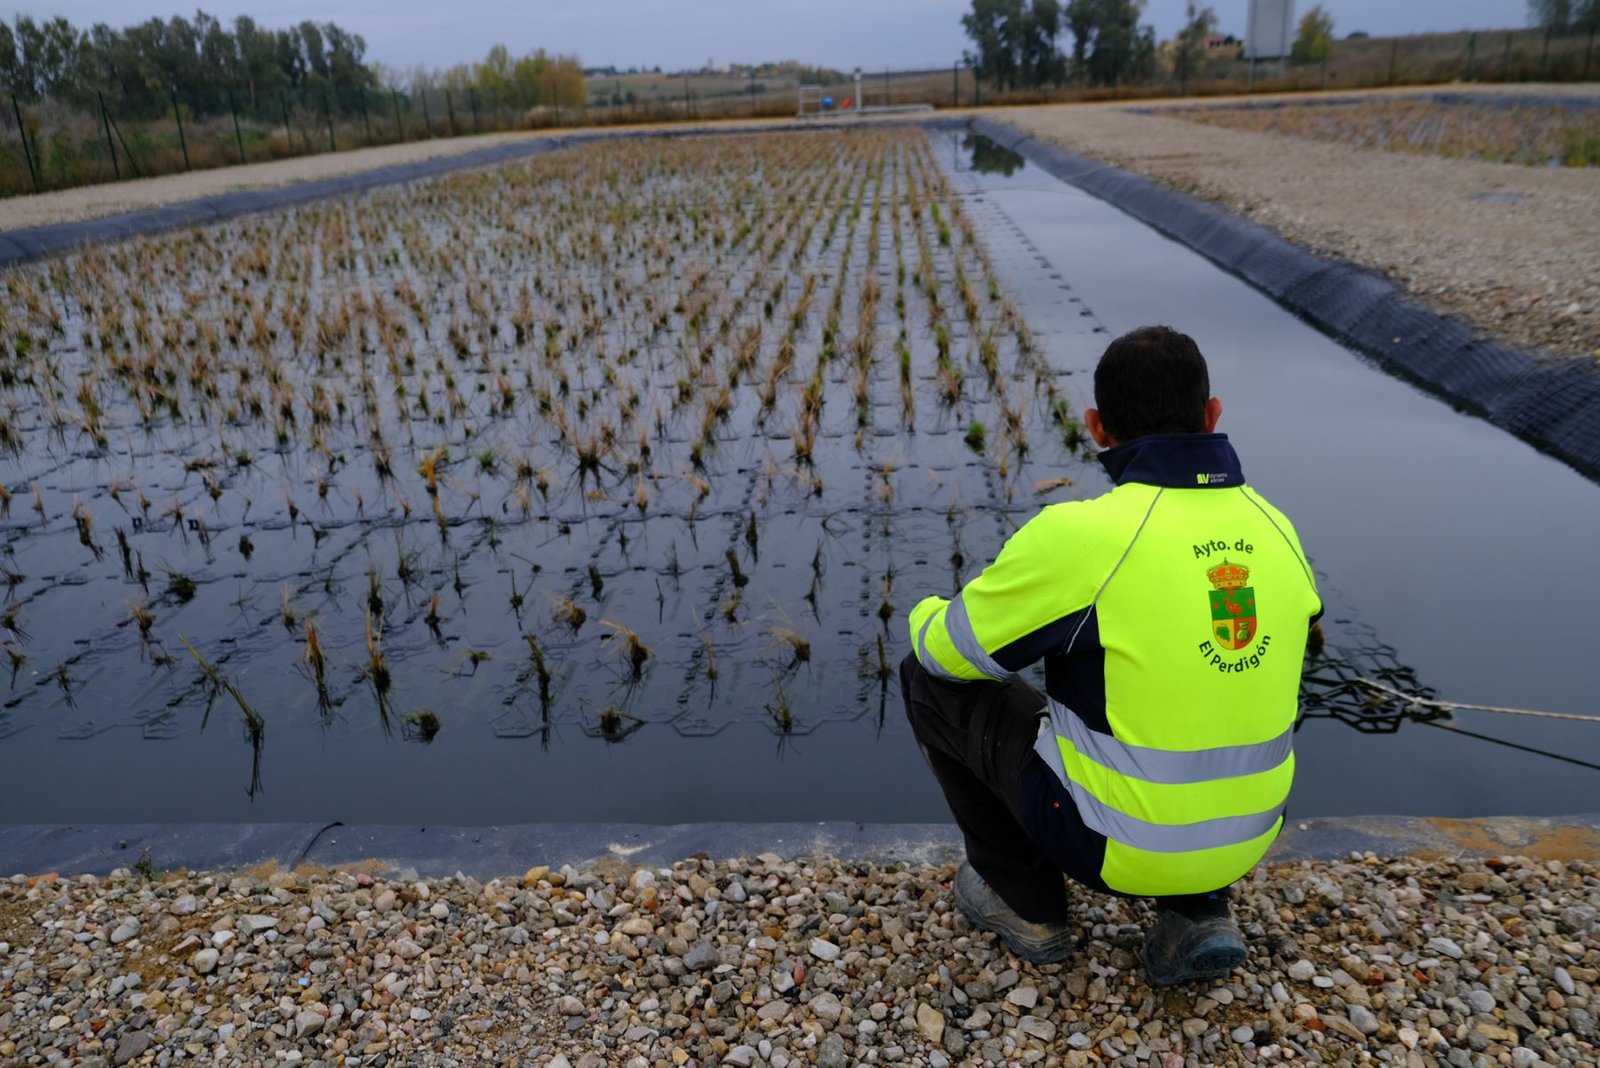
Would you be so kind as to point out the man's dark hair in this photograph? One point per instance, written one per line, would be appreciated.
(1152, 381)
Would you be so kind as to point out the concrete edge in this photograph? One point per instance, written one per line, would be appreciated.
(1550, 401)
(489, 852)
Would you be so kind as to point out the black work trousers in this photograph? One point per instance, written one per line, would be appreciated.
(978, 739)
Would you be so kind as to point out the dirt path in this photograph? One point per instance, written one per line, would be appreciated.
(1513, 248)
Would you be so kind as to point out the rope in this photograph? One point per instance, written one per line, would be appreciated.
(1450, 706)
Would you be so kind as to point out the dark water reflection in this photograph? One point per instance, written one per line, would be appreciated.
(990, 157)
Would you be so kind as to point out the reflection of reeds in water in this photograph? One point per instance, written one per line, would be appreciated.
(15, 657)
(569, 612)
(798, 646)
(740, 579)
(317, 661)
(635, 652)
(540, 667)
(782, 714)
(255, 726)
(424, 723)
(377, 670)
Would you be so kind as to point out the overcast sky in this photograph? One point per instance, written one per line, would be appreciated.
(837, 33)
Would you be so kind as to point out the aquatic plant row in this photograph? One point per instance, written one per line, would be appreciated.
(646, 432)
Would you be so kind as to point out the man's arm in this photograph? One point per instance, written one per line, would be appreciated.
(1020, 593)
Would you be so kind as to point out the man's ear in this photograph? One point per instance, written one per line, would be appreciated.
(1213, 413)
(1097, 429)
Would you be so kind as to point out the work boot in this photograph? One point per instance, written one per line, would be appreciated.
(1040, 943)
(1203, 944)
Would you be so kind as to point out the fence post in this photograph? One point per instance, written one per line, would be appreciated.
(752, 91)
(472, 103)
(1544, 64)
(288, 131)
(366, 116)
(887, 99)
(1472, 53)
(427, 120)
(27, 152)
(110, 144)
(955, 85)
(237, 136)
(450, 109)
(1394, 60)
(1588, 53)
(327, 117)
(1505, 62)
(1325, 69)
(183, 142)
(399, 130)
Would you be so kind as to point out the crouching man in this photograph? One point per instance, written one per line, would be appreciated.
(1171, 614)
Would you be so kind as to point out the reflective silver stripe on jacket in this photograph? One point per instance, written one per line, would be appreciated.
(929, 664)
(1141, 834)
(959, 627)
(1169, 838)
(1170, 767)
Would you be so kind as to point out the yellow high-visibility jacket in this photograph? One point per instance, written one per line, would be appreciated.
(1172, 615)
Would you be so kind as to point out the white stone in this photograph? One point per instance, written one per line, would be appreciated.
(124, 931)
(250, 925)
(822, 949)
(205, 961)
(1023, 996)
(827, 1007)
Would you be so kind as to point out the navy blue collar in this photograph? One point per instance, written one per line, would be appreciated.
(1178, 461)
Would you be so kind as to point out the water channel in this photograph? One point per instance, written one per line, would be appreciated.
(1452, 557)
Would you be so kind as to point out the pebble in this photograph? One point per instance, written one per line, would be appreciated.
(822, 949)
(124, 931)
(254, 924)
(1023, 996)
(823, 964)
(702, 957)
(1363, 1019)
(826, 1007)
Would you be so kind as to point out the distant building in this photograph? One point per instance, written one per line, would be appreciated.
(1223, 46)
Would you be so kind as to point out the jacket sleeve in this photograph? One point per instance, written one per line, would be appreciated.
(955, 640)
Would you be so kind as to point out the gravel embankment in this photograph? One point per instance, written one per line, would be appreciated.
(1512, 248)
(766, 962)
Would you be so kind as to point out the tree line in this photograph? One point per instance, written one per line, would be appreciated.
(1566, 16)
(198, 58)
(56, 59)
(1017, 42)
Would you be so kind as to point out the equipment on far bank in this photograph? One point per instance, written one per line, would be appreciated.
(815, 100)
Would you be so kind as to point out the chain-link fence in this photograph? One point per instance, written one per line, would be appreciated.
(53, 144)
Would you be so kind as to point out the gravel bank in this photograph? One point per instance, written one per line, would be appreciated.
(769, 962)
(1512, 248)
